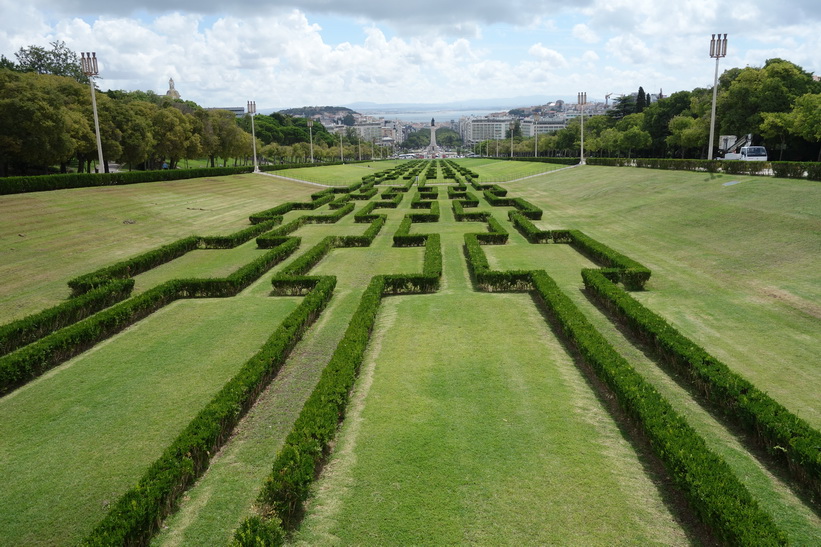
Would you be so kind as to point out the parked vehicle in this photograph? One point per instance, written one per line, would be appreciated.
(748, 153)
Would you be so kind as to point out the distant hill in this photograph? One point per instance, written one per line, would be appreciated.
(322, 111)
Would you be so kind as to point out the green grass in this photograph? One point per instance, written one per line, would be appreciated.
(426, 452)
(735, 268)
(47, 238)
(339, 175)
(78, 437)
(472, 425)
(501, 170)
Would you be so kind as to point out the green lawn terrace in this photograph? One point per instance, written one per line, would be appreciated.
(464, 402)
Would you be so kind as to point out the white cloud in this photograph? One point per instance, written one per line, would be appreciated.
(547, 55)
(585, 34)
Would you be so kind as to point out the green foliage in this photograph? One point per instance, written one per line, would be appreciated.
(135, 516)
(785, 436)
(632, 274)
(29, 329)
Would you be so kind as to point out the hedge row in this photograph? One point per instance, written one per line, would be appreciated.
(155, 257)
(620, 268)
(713, 490)
(785, 436)
(286, 207)
(496, 234)
(29, 329)
(140, 511)
(33, 360)
(525, 207)
(432, 216)
(18, 185)
(287, 486)
(460, 215)
(799, 170)
(534, 234)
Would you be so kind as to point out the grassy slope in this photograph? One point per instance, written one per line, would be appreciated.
(734, 267)
(76, 438)
(46, 238)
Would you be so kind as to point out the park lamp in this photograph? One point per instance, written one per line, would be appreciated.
(252, 109)
(310, 123)
(88, 64)
(512, 126)
(582, 102)
(718, 49)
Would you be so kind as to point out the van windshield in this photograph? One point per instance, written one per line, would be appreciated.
(756, 151)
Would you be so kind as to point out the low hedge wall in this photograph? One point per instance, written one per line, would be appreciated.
(714, 492)
(29, 329)
(137, 514)
(31, 361)
(784, 169)
(786, 437)
(632, 274)
(287, 486)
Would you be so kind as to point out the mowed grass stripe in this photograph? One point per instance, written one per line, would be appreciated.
(478, 428)
(78, 437)
(47, 238)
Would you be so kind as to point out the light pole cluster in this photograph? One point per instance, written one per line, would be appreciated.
(311, 136)
(252, 109)
(582, 102)
(536, 135)
(718, 49)
(88, 62)
(512, 125)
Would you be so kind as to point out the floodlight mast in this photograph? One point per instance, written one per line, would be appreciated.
(252, 110)
(718, 49)
(582, 102)
(88, 63)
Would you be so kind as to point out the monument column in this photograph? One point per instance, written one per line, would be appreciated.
(432, 134)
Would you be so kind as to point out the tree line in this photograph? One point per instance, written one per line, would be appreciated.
(779, 104)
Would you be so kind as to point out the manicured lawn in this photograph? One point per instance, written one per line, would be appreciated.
(470, 423)
(734, 267)
(75, 439)
(339, 175)
(47, 238)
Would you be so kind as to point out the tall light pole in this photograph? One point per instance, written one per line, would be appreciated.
(718, 49)
(536, 135)
(88, 62)
(341, 157)
(252, 110)
(512, 125)
(311, 137)
(582, 102)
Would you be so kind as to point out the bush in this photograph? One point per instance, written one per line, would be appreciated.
(785, 436)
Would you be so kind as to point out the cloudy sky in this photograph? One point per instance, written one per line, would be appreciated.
(291, 53)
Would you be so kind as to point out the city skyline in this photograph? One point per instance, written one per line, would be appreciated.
(287, 54)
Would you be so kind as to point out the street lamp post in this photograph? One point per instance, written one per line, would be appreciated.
(88, 62)
(252, 109)
(512, 125)
(359, 144)
(341, 157)
(536, 135)
(582, 102)
(311, 137)
(718, 49)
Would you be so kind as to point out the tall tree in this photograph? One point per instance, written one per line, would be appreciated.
(641, 100)
(59, 61)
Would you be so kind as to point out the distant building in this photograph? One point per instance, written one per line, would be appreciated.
(173, 93)
(238, 111)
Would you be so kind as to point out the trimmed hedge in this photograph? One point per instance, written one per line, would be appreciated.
(785, 436)
(31, 361)
(138, 513)
(714, 492)
(287, 486)
(29, 329)
(632, 274)
(799, 170)
(534, 234)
